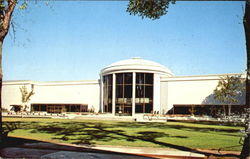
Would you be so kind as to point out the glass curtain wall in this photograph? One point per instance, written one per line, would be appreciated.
(107, 93)
(144, 93)
(123, 101)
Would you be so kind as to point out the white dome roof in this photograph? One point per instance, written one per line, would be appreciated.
(138, 65)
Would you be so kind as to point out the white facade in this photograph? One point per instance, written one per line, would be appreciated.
(190, 90)
(73, 92)
(167, 90)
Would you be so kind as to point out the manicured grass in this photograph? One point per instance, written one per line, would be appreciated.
(93, 132)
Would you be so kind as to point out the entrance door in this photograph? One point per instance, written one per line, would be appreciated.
(123, 101)
(123, 109)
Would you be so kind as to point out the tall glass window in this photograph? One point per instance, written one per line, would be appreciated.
(123, 101)
(144, 93)
(107, 93)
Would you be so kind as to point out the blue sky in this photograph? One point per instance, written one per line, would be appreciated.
(74, 40)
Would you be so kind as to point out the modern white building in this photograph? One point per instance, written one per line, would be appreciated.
(128, 87)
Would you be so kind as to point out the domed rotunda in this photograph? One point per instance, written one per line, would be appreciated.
(132, 86)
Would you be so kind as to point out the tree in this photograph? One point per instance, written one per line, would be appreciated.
(26, 96)
(245, 153)
(6, 9)
(246, 23)
(227, 90)
(154, 9)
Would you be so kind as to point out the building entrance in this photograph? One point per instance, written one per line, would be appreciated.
(123, 101)
(123, 109)
(122, 89)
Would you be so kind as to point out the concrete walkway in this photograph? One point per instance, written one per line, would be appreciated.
(150, 151)
(47, 150)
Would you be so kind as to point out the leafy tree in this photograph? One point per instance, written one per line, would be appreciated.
(154, 9)
(227, 90)
(230, 90)
(26, 96)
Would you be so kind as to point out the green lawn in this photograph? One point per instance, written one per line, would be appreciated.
(92, 132)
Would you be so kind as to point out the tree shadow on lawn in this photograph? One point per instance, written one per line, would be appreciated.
(150, 136)
(179, 127)
(88, 133)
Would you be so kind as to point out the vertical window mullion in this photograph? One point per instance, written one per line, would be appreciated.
(144, 92)
(123, 92)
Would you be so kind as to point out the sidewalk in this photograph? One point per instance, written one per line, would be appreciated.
(45, 150)
(151, 151)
